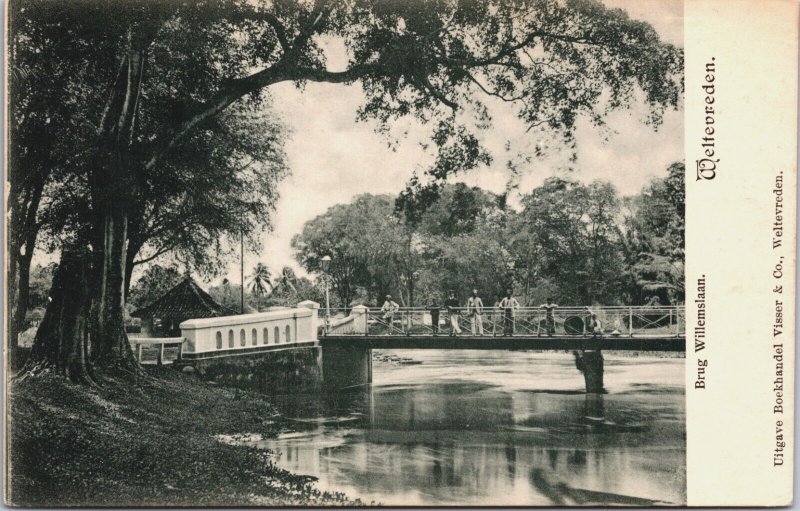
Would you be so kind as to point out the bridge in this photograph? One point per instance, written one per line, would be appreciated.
(642, 328)
(341, 340)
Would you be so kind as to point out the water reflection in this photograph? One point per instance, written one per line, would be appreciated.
(435, 435)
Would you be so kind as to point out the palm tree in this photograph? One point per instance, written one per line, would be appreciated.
(260, 280)
(286, 280)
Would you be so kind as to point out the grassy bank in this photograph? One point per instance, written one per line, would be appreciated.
(153, 443)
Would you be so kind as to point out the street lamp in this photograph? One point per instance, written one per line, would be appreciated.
(326, 266)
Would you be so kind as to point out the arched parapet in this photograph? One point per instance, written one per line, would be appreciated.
(245, 333)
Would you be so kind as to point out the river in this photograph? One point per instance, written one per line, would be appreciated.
(495, 428)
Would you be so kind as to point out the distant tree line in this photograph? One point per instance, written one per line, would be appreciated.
(578, 243)
(262, 288)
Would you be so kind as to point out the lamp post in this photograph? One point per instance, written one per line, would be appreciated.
(326, 266)
(241, 269)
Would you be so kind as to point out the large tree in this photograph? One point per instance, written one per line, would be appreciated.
(463, 244)
(219, 181)
(369, 247)
(434, 60)
(218, 184)
(654, 239)
(49, 107)
(568, 234)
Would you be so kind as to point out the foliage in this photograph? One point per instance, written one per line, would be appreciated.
(284, 290)
(554, 61)
(154, 282)
(229, 295)
(285, 282)
(219, 183)
(260, 282)
(291, 290)
(655, 239)
(577, 243)
(40, 282)
(463, 244)
(568, 232)
(368, 246)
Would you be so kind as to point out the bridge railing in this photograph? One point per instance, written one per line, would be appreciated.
(629, 321)
(248, 332)
(160, 343)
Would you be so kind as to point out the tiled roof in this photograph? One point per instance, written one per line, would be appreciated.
(184, 301)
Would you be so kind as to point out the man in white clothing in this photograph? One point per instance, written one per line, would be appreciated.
(508, 304)
(388, 310)
(474, 310)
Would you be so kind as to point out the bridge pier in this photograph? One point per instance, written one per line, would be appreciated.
(590, 363)
(346, 366)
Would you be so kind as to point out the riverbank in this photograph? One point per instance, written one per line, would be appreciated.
(152, 444)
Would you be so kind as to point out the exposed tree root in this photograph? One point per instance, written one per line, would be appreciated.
(41, 368)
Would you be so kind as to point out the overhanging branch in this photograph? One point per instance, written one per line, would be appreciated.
(235, 89)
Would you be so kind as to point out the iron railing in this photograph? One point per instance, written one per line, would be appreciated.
(614, 321)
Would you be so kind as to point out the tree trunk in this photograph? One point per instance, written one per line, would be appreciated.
(113, 183)
(23, 232)
(12, 292)
(129, 257)
(112, 351)
(61, 344)
(21, 298)
(84, 322)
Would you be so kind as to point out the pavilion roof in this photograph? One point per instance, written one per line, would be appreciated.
(184, 301)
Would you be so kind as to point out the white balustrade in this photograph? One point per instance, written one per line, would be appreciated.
(355, 323)
(229, 334)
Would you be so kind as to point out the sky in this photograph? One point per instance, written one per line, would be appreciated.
(333, 158)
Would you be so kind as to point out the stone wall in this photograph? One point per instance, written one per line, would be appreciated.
(272, 372)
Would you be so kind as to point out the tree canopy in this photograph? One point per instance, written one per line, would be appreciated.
(578, 243)
(655, 238)
(367, 244)
(154, 283)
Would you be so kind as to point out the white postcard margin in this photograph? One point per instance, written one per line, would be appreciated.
(740, 148)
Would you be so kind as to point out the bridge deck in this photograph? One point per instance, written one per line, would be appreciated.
(516, 342)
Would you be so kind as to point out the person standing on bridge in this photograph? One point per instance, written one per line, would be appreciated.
(508, 305)
(595, 326)
(388, 310)
(474, 310)
(452, 310)
(433, 308)
(549, 316)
